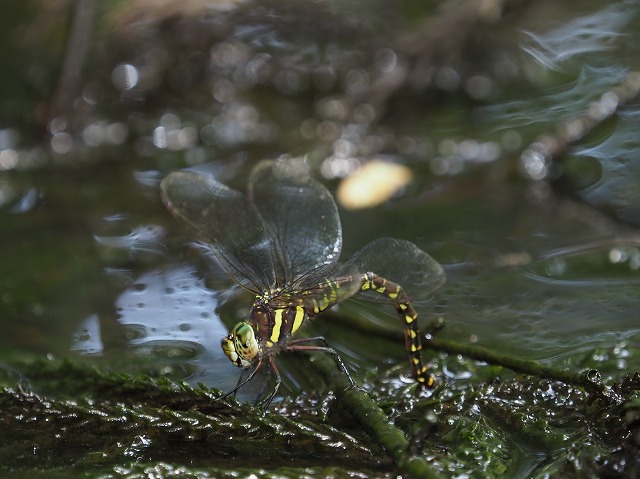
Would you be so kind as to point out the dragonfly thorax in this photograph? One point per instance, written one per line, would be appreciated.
(240, 345)
(274, 324)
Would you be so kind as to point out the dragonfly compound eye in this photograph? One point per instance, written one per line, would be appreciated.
(241, 345)
(229, 349)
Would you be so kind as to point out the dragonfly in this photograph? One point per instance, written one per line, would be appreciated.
(282, 241)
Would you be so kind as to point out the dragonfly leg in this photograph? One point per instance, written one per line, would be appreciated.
(265, 402)
(239, 384)
(242, 382)
(299, 345)
(405, 310)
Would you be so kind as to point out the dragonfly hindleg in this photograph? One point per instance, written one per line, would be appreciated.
(300, 345)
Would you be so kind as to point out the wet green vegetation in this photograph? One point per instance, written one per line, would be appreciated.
(71, 418)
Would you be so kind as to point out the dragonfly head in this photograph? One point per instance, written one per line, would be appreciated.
(241, 345)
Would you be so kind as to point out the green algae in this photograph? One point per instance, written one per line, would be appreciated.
(73, 419)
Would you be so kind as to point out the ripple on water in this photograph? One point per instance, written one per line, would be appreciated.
(607, 262)
(172, 350)
(580, 37)
(617, 188)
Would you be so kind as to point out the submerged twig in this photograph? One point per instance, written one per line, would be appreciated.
(69, 81)
(375, 422)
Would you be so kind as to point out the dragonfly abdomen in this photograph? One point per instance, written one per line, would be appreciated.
(413, 343)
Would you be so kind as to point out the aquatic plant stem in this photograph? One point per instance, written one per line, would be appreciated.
(375, 422)
(588, 380)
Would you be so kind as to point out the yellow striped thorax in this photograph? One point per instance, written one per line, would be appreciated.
(275, 324)
(240, 345)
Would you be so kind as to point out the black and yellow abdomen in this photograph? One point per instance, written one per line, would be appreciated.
(405, 310)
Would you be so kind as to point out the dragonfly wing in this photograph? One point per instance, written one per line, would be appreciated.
(299, 214)
(228, 222)
(403, 263)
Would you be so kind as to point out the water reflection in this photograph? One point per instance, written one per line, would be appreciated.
(619, 185)
(143, 238)
(607, 263)
(27, 202)
(593, 33)
(170, 321)
(87, 339)
(556, 104)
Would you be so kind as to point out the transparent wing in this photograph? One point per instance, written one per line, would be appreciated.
(403, 263)
(300, 216)
(337, 281)
(228, 222)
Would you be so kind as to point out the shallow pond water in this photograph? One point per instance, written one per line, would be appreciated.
(542, 253)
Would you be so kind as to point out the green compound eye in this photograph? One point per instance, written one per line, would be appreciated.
(240, 346)
(244, 335)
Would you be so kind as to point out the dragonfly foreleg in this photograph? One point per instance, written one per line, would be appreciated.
(242, 382)
(412, 341)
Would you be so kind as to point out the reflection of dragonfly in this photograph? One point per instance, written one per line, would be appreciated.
(282, 243)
